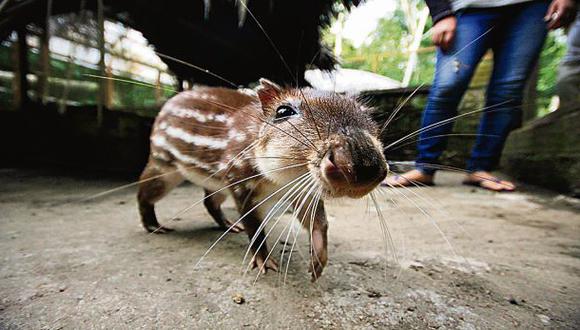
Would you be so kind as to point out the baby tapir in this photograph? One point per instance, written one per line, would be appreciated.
(264, 148)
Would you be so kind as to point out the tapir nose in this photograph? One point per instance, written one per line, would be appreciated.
(355, 163)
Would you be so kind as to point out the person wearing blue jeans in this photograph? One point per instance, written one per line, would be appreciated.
(464, 30)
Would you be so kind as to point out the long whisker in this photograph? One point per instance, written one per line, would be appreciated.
(445, 167)
(423, 84)
(392, 116)
(403, 244)
(314, 121)
(197, 68)
(297, 234)
(442, 135)
(300, 132)
(385, 229)
(125, 186)
(226, 187)
(442, 211)
(226, 107)
(267, 37)
(312, 215)
(223, 106)
(290, 194)
(133, 82)
(431, 219)
(274, 157)
(189, 122)
(246, 214)
(297, 210)
(232, 162)
(282, 232)
(445, 121)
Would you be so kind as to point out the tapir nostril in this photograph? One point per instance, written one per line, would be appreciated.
(337, 166)
(331, 157)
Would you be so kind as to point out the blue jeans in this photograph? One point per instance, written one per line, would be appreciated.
(516, 35)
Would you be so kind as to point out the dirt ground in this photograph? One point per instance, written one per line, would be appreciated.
(511, 260)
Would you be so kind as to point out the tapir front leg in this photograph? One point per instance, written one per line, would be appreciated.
(317, 228)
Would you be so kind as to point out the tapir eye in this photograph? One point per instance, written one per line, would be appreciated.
(284, 112)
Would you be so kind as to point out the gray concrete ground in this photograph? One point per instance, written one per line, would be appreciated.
(511, 260)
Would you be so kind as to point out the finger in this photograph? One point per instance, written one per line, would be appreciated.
(442, 44)
(436, 38)
(556, 22)
(551, 10)
(448, 39)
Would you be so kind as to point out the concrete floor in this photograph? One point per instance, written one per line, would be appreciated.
(479, 261)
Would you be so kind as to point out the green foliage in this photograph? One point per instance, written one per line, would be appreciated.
(554, 50)
(386, 54)
(82, 89)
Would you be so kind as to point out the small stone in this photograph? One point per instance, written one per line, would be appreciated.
(411, 308)
(513, 301)
(544, 318)
(238, 298)
(168, 280)
(416, 265)
(373, 294)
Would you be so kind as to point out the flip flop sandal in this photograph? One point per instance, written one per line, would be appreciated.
(478, 184)
(407, 182)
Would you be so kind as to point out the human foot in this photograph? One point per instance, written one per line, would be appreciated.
(487, 181)
(411, 178)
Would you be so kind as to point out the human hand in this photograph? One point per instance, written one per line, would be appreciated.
(444, 32)
(560, 14)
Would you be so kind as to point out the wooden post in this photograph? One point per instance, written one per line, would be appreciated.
(158, 90)
(44, 68)
(16, 78)
(110, 90)
(102, 86)
(68, 76)
(22, 70)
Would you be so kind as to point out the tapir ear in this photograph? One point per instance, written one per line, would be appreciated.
(364, 103)
(268, 91)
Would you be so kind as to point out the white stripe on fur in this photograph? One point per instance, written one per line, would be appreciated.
(161, 142)
(197, 140)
